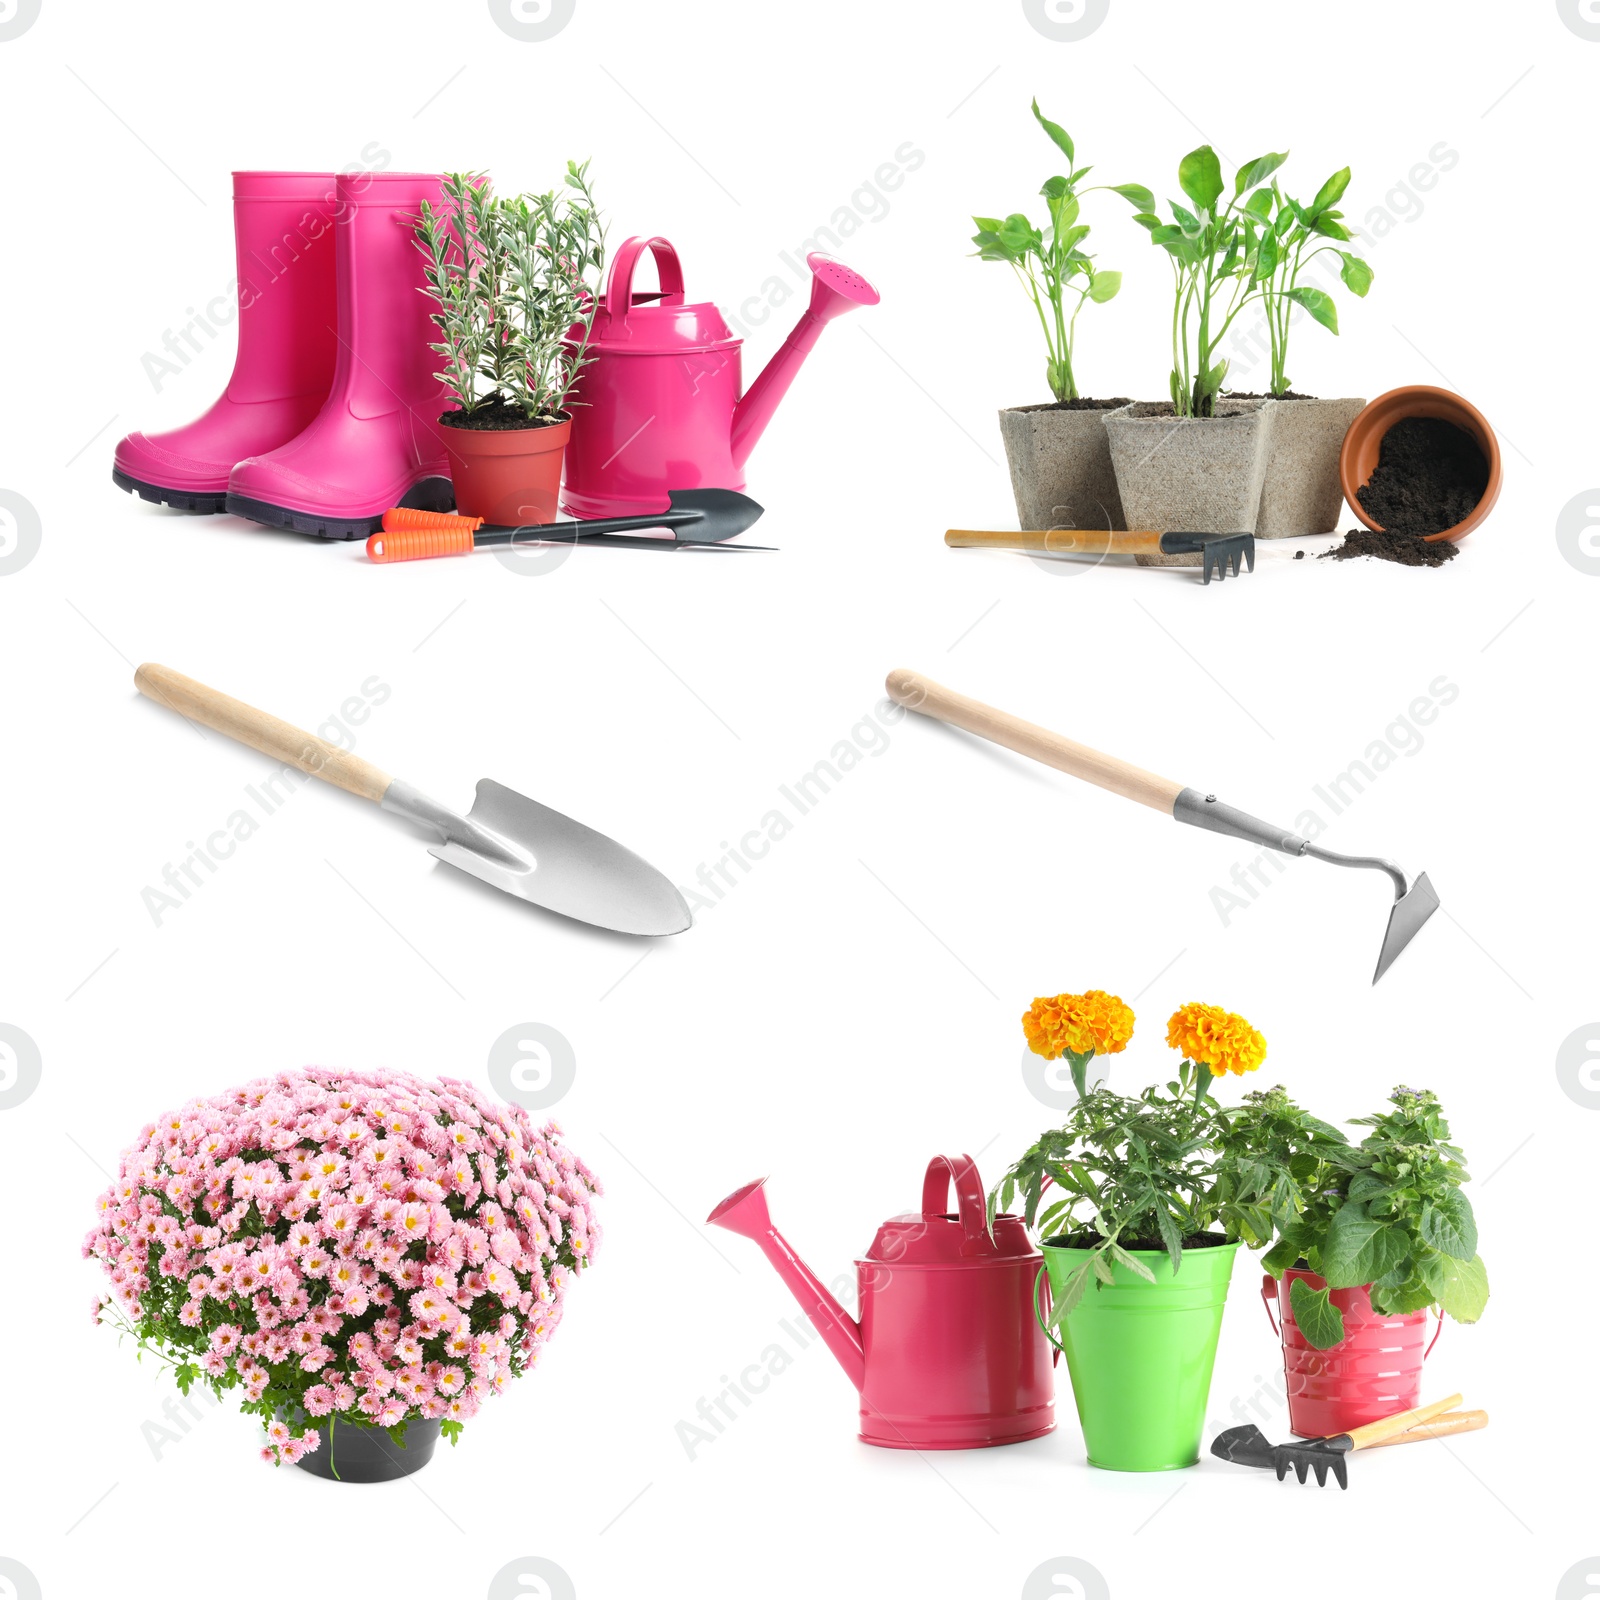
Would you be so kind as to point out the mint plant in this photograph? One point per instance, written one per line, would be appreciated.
(1389, 1212)
(1058, 275)
(1282, 239)
(515, 284)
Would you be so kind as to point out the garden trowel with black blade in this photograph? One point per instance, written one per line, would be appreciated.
(1414, 899)
(506, 839)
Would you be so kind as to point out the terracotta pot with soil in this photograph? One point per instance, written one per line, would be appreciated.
(504, 472)
(1191, 474)
(1301, 493)
(1421, 461)
(1060, 461)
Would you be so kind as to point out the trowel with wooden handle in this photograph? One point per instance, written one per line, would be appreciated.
(1414, 899)
(505, 839)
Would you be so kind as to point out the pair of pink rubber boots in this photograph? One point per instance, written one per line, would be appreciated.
(331, 415)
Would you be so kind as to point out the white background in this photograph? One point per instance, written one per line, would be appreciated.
(851, 1007)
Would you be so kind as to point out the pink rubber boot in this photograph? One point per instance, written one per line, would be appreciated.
(376, 442)
(284, 253)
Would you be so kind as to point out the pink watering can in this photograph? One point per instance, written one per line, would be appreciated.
(947, 1354)
(659, 406)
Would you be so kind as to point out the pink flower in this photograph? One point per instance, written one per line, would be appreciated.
(319, 1400)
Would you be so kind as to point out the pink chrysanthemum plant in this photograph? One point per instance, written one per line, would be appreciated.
(356, 1247)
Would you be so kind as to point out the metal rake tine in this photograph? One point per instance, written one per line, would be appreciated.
(1238, 559)
(1207, 557)
(1250, 553)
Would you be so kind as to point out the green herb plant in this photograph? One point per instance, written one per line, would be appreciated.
(1389, 1212)
(1282, 239)
(1213, 268)
(1139, 1172)
(1051, 263)
(514, 283)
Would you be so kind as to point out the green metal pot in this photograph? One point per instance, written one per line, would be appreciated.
(1141, 1354)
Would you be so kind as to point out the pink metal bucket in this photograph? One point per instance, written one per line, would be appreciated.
(1373, 1372)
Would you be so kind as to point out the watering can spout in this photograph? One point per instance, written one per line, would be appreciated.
(745, 1211)
(835, 289)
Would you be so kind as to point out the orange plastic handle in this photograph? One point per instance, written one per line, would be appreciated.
(414, 544)
(399, 519)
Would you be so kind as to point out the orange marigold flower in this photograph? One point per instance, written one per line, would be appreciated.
(1218, 1039)
(1077, 1023)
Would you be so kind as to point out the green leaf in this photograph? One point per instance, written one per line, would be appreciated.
(1139, 197)
(1063, 140)
(1266, 258)
(1259, 205)
(1319, 1318)
(1465, 1291)
(1320, 306)
(1356, 273)
(1105, 287)
(1330, 227)
(1132, 1263)
(1258, 171)
(1414, 1294)
(1330, 193)
(1171, 1236)
(1071, 1293)
(1200, 176)
(1282, 1255)
(1359, 1248)
(1448, 1225)
(987, 224)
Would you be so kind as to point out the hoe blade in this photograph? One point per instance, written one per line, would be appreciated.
(1408, 914)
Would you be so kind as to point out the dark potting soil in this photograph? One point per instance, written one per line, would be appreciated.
(1082, 403)
(1406, 549)
(1250, 394)
(1429, 476)
(493, 417)
(1093, 1241)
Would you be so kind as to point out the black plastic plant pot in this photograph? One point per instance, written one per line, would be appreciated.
(350, 1453)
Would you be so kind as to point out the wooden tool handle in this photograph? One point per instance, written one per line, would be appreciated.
(280, 740)
(1057, 541)
(931, 699)
(1441, 1427)
(1387, 1427)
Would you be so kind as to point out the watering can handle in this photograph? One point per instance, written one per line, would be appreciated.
(961, 1172)
(619, 286)
(1056, 1343)
(1269, 1293)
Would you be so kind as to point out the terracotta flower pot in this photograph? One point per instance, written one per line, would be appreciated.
(1359, 454)
(1060, 461)
(509, 476)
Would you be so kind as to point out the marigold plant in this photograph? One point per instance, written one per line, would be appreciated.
(1079, 1027)
(1218, 1041)
(365, 1247)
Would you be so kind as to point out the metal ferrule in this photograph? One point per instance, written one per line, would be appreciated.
(405, 801)
(1206, 811)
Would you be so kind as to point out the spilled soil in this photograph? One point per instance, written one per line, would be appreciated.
(1430, 475)
(1406, 549)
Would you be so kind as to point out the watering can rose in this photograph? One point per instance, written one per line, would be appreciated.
(369, 1247)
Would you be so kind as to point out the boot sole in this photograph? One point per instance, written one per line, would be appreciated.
(431, 494)
(175, 499)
